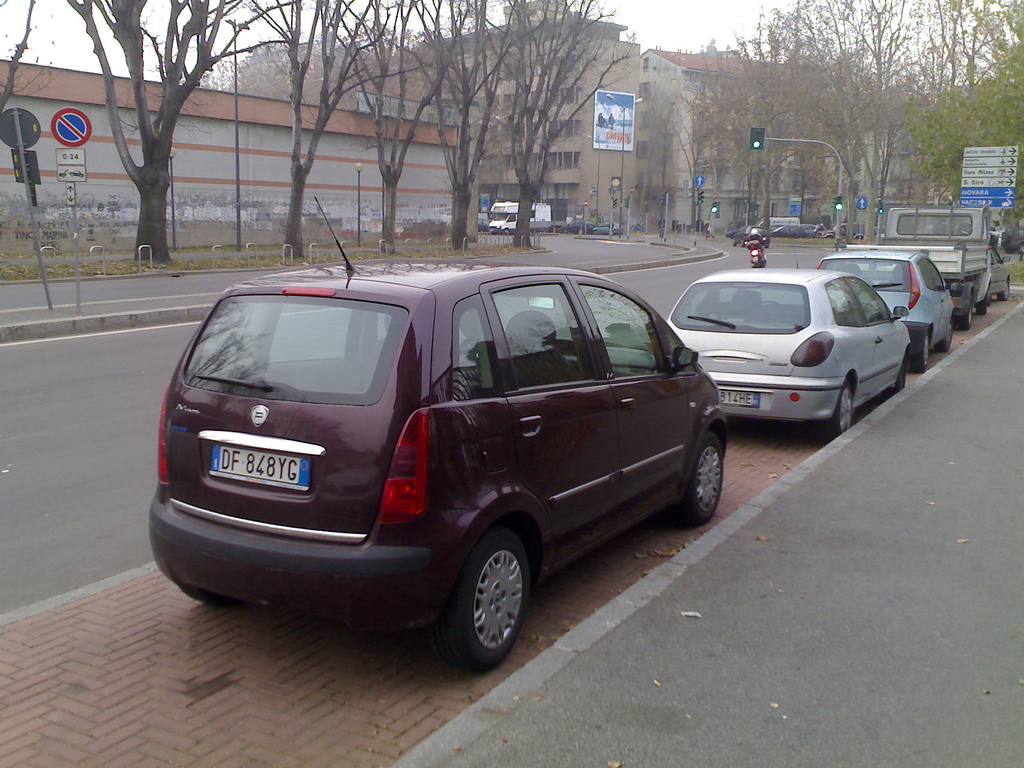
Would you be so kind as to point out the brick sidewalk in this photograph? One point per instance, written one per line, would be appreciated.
(140, 675)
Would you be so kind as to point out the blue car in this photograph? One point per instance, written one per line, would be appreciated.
(905, 279)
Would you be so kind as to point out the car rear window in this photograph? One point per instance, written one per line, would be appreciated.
(305, 349)
(880, 274)
(743, 308)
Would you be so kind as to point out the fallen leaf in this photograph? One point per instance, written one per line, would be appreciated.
(930, 503)
(763, 538)
(773, 475)
(691, 615)
(614, 764)
(774, 705)
(746, 464)
(962, 541)
(657, 683)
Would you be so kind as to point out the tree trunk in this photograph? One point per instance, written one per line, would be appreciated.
(293, 224)
(152, 231)
(388, 233)
(461, 200)
(521, 239)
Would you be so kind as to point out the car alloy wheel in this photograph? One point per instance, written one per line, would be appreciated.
(704, 487)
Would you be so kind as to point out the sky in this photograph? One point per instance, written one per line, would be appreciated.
(59, 38)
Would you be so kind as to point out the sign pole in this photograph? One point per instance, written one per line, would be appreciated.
(73, 199)
(31, 206)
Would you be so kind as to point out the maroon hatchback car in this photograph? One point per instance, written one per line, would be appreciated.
(420, 443)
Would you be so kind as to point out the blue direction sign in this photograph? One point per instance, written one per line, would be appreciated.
(996, 197)
(862, 203)
(698, 181)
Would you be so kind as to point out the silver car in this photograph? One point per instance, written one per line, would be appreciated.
(906, 279)
(795, 345)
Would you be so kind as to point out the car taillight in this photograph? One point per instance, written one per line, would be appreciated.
(405, 488)
(161, 444)
(814, 351)
(915, 287)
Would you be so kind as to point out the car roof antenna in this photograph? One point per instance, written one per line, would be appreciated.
(348, 264)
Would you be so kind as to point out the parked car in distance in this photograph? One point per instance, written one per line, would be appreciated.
(790, 230)
(574, 226)
(606, 229)
(795, 345)
(905, 279)
(810, 230)
(420, 443)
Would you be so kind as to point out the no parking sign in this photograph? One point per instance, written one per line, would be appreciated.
(71, 127)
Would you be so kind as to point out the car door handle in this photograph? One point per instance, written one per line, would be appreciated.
(878, 339)
(530, 425)
(627, 402)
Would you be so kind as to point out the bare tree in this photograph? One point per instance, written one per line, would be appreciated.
(196, 36)
(333, 30)
(466, 101)
(7, 88)
(562, 52)
(403, 70)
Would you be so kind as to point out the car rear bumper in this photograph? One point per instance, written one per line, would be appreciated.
(366, 586)
(786, 398)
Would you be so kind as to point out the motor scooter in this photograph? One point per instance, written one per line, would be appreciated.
(757, 259)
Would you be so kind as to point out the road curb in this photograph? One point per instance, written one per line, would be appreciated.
(118, 321)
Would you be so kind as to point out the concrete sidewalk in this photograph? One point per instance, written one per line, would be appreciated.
(866, 610)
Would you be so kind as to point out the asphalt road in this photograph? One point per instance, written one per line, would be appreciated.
(78, 420)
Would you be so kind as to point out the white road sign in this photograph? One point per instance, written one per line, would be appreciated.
(71, 164)
(987, 181)
(991, 151)
(989, 172)
(990, 161)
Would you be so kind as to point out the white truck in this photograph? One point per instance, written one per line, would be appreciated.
(505, 213)
(957, 240)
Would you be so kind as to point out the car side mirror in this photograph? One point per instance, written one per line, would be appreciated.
(900, 312)
(683, 358)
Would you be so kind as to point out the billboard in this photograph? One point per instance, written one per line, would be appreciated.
(613, 120)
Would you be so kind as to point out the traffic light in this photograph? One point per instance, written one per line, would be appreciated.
(664, 198)
(837, 202)
(700, 197)
(615, 202)
(881, 207)
(757, 138)
(714, 207)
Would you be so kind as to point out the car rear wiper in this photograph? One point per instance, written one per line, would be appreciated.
(886, 285)
(723, 323)
(262, 386)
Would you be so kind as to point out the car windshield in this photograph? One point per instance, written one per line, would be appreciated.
(743, 307)
(303, 349)
(880, 274)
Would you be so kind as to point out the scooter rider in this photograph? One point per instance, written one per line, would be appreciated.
(755, 243)
(755, 240)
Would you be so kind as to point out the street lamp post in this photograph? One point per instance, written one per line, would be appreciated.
(238, 162)
(359, 204)
(174, 221)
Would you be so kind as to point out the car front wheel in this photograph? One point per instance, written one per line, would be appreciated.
(486, 608)
(946, 341)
